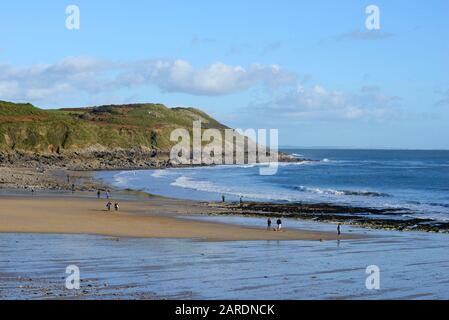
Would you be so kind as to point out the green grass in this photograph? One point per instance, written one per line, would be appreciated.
(19, 109)
(28, 128)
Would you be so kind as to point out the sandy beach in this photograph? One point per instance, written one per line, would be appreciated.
(152, 218)
(163, 248)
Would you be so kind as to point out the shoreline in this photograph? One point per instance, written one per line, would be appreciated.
(145, 218)
(154, 218)
(164, 248)
(389, 219)
(54, 180)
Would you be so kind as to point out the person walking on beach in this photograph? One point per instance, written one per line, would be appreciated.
(116, 207)
(269, 224)
(223, 198)
(108, 205)
(339, 229)
(241, 200)
(98, 194)
(107, 194)
(279, 223)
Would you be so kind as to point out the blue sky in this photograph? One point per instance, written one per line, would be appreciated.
(309, 68)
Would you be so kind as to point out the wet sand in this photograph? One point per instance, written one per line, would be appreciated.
(33, 266)
(152, 218)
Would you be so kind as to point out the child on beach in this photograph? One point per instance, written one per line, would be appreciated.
(98, 194)
(108, 205)
(116, 206)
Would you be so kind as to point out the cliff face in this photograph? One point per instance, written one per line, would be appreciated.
(106, 137)
(25, 128)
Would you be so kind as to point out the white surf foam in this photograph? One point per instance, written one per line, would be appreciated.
(160, 173)
(207, 186)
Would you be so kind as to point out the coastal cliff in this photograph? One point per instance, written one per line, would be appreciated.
(132, 136)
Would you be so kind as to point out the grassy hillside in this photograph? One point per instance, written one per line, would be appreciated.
(28, 128)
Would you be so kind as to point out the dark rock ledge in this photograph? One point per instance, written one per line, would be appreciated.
(388, 219)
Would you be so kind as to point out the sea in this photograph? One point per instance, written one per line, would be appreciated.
(415, 183)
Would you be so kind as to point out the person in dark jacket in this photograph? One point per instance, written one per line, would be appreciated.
(279, 223)
(269, 224)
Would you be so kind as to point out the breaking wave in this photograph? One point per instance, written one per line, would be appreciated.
(206, 186)
(342, 192)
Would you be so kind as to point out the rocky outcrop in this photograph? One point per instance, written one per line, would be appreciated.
(361, 216)
(89, 159)
(98, 158)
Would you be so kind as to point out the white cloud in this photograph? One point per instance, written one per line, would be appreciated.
(43, 82)
(320, 103)
(86, 75)
(215, 79)
(76, 79)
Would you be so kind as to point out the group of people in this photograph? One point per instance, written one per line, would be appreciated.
(223, 199)
(108, 195)
(279, 226)
(278, 222)
(109, 203)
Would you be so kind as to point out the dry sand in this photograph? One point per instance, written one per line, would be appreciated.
(152, 218)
